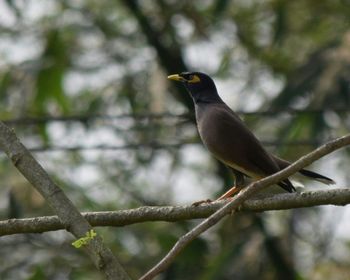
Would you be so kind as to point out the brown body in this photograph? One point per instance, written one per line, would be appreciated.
(230, 141)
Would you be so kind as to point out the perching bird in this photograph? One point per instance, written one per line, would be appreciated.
(229, 139)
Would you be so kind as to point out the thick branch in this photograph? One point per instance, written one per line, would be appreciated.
(243, 196)
(178, 213)
(70, 217)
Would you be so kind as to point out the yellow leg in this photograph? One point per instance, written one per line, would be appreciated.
(231, 192)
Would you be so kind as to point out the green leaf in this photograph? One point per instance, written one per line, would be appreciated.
(49, 84)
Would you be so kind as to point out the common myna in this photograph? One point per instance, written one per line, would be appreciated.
(229, 139)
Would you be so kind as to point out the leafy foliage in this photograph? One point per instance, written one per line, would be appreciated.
(97, 58)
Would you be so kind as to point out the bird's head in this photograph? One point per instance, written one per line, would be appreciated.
(200, 86)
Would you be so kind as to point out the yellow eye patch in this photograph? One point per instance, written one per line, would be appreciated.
(185, 78)
(194, 79)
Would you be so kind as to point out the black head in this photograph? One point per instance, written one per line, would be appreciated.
(200, 86)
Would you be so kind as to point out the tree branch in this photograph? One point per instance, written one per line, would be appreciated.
(70, 217)
(246, 193)
(178, 213)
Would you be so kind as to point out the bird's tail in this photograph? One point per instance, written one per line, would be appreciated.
(307, 173)
(317, 177)
(287, 185)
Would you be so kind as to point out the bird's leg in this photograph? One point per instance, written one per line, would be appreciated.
(239, 184)
(231, 192)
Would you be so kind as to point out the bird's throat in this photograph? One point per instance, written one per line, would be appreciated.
(206, 97)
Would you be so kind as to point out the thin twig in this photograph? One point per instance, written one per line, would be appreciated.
(143, 214)
(85, 118)
(252, 189)
(154, 145)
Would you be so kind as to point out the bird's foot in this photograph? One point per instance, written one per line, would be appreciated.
(200, 202)
(226, 196)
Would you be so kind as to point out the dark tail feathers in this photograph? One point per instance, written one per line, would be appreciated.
(287, 185)
(307, 173)
(317, 177)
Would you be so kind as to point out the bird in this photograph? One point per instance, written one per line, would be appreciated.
(228, 138)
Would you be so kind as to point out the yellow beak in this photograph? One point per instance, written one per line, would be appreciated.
(176, 77)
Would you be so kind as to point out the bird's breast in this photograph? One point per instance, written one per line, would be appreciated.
(221, 133)
(215, 133)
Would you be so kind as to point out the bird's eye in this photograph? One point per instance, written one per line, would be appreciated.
(193, 78)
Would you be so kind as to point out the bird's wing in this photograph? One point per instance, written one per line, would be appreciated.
(231, 141)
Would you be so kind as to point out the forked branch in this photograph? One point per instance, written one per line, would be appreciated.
(252, 189)
(68, 214)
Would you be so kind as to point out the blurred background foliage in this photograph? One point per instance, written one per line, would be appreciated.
(84, 85)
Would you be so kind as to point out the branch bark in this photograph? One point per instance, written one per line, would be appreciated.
(120, 218)
(70, 217)
(252, 189)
